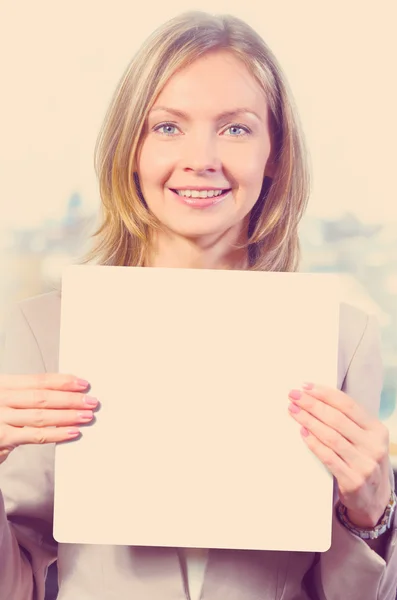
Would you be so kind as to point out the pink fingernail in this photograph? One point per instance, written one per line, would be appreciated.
(293, 408)
(305, 432)
(308, 386)
(82, 383)
(74, 432)
(87, 415)
(90, 401)
(295, 394)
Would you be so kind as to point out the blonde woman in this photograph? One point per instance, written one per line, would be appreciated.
(201, 164)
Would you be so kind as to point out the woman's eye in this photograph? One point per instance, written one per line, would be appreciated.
(166, 129)
(170, 129)
(237, 130)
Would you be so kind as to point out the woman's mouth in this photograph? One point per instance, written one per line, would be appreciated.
(202, 198)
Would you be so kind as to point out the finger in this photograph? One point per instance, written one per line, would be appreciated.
(34, 435)
(46, 399)
(349, 480)
(328, 437)
(361, 489)
(342, 402)
(42, 381)
(44, 418)
(330, 416)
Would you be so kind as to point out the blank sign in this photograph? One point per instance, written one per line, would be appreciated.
(193, 445)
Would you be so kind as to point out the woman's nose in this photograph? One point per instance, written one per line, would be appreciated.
(201, 155)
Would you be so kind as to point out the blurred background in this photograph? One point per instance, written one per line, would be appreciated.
(60, 64)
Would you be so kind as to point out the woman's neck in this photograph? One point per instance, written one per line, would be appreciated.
(173, 251)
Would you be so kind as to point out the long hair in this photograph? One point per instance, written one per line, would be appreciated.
(123, 236)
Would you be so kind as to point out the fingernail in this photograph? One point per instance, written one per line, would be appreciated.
(82, 383)
(308, 386)
(305, 432)
(295, 394)
(293, 408)
(74, 432)
(90, 401)
(87, 415)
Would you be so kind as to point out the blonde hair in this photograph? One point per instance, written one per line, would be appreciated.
(123, 237)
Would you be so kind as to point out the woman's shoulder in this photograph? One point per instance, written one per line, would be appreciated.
(355, 322)
(352, 317)
(32, 326)
(41, 306)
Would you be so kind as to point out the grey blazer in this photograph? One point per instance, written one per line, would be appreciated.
(350, 570)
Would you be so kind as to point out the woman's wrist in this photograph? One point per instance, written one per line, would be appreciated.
(372, 516)
(365, 520)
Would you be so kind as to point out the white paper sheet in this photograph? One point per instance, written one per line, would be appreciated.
(193, 445)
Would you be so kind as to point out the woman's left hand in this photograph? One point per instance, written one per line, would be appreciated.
(353, 445)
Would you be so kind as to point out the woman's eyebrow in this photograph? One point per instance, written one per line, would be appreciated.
(227, 114)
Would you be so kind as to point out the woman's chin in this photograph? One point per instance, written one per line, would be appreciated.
(196, 231)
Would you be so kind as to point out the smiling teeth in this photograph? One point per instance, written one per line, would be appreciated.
(199, 194)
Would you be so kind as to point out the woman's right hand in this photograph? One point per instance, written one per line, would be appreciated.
(42, 409)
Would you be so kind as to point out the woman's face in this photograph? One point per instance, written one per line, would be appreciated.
(207, 148)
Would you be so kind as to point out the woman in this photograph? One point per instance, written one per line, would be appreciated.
(201, 164)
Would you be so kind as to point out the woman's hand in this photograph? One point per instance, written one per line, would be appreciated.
(352, 444)
(41, 409)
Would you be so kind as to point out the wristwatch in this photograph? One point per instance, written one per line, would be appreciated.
(383, 525)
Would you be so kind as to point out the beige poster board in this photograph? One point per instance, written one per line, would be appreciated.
(193, 445)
